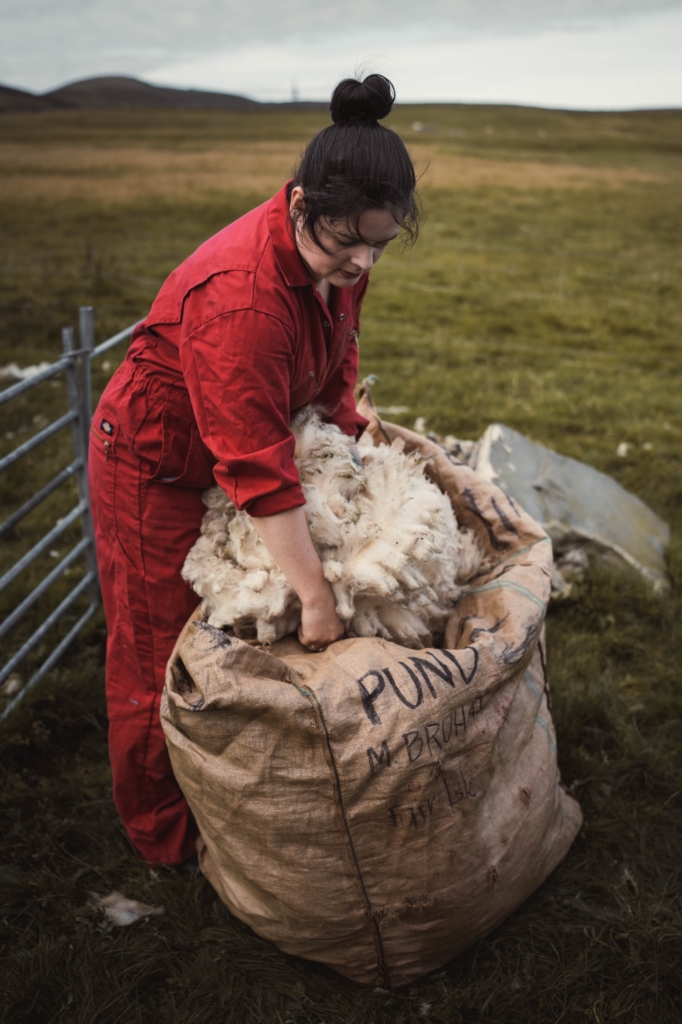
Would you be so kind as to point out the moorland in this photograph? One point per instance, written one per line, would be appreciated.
(544, 292)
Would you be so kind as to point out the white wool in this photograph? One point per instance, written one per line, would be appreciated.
(386, 535)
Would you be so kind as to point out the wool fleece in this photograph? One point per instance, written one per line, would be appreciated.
(386, 535)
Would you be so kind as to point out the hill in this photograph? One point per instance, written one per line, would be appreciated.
(16, 100)
(119, 91)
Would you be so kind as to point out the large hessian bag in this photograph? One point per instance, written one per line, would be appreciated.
(376, 808)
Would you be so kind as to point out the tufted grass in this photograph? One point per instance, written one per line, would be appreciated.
(545, 293)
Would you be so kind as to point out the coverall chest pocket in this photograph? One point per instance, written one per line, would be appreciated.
(304, 391)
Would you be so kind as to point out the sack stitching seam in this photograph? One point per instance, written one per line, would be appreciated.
(375, 927)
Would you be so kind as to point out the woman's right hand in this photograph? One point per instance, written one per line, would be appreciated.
(320, 625)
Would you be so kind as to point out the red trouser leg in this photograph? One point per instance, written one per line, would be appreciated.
(143, 530)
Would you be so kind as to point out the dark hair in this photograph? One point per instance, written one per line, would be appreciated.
(355, 164)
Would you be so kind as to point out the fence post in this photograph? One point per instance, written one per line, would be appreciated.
(79, 402)
(86, 325)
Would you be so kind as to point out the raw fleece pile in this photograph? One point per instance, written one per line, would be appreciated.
(387, 538)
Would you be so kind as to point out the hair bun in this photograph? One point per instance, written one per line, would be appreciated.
(354, 101)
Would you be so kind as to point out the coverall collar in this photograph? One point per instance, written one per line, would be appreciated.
(281, 229)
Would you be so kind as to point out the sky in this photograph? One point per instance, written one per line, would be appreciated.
(584, 54)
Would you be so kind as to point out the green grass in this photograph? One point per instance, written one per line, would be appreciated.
(554, 307)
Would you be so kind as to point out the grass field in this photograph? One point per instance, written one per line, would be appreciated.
(544, 292)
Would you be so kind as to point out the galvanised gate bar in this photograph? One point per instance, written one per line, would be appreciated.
(75, 367)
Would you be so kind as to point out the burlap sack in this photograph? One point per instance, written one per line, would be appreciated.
(371, 807)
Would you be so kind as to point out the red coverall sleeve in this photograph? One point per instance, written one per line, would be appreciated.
(238, 371)
(337, 397)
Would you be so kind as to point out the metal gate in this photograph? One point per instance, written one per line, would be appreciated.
(75, 366)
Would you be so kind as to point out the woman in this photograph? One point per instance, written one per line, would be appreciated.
(261, 320)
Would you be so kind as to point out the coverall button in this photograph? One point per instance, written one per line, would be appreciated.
(342, 316)
(326, 323)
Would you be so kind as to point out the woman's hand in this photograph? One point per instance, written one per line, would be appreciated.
(287, 538)
(320, 625)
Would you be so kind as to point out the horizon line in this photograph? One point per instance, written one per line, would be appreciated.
(301, 101)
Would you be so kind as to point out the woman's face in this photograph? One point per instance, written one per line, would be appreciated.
(346, 259)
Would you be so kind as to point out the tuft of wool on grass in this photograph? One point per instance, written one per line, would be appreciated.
(386, 535)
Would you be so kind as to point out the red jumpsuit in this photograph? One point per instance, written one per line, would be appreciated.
(237, 340)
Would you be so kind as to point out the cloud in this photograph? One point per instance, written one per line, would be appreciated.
(46, 42)
(629, 64)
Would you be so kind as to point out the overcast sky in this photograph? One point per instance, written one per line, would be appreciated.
(575, 53)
